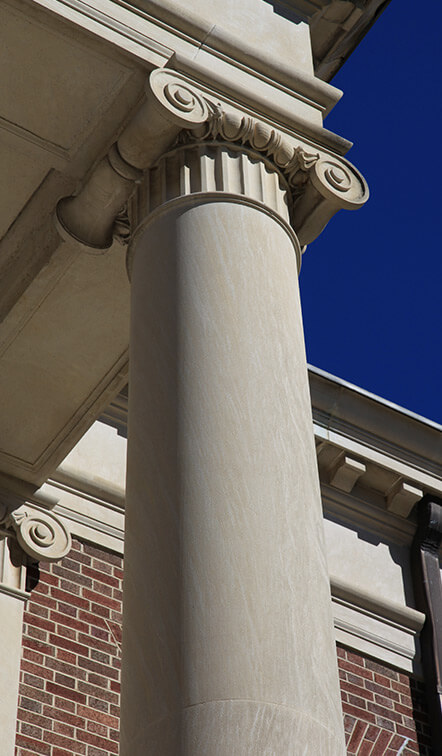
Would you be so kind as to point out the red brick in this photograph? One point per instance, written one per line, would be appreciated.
(397, 742)
(372, 733)
(70, 645)
(97, 728)
(30, 704)
(384, 701)
(63, 716)
(66, 609)
(91, 619)
(101, 577)
(66, 743)
(64, 729)
(66, 656)
(43, 600)
(356, 737)
(385, 682)
(31, 730)
(97, 692)
(349, 723)
(69, 598)
(65, 704)
(103, 600)
(383, 712)
(405, 710)
(70, 587)
(355, 658)
(40, 622)
(35, 693)
(366, 716)
(66, 632)
(36, 632)
(37, 669)
(401, 688)
(23, 715)
(63, 619)
(37, 746)
(39, 609)
(382, 690)
(406, 731)
(68, 669)
(366, 748)
(102, 611)
(97, 643)
(71, 695)
(387, 724)
(382, 670)
(357, 690)
(359, 671)
(97, 716)
(382, 743)
(116, 630)
(46, 578)
(96, 740)
(65, 680)
(71, 565)
(102, 555)
(100, 656)
(36, 682)
(357, 701)
(33, 656)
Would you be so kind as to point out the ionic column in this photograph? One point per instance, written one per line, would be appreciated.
(228, 644)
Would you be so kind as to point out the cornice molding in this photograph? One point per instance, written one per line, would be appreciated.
(402, 616)
(321, 182)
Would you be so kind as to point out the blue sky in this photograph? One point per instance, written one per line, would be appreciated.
(371, 284)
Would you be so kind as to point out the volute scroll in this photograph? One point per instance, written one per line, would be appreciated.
(41, 535)
(178, 111)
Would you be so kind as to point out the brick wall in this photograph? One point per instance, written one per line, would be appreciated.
(69, 678)
(384, 710)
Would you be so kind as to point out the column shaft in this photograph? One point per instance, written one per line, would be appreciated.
(228, 639)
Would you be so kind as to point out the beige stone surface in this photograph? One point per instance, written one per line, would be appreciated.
(374, 565)
(23, 167)
(267, 31)
(226, 585)
(78, 306)
(11, 619)
(44, 64)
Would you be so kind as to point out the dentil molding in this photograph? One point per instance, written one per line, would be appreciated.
(177, 111)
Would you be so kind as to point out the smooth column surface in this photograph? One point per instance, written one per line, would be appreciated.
(228, 640)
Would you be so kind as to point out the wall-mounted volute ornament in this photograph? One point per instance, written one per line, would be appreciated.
(40, 534)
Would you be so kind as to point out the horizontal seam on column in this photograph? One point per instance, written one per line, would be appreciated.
(258, 701)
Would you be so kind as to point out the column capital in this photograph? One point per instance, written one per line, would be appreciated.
(178, 109)
(40, 534)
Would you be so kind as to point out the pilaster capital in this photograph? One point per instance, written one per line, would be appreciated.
(40, 534)
(177, 110)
